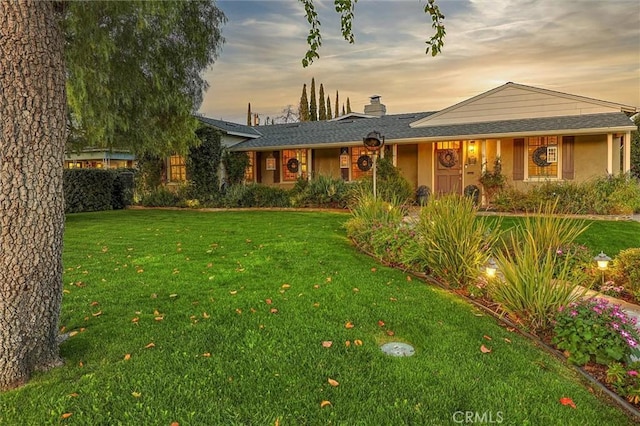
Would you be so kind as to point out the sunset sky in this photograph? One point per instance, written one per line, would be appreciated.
(583, 47)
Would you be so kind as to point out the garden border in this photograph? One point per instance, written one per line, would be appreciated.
(629, 408)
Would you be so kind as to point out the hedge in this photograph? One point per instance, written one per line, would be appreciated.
(87, 190)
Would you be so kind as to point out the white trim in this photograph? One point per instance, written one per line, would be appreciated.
(627, 152)
(609, 153)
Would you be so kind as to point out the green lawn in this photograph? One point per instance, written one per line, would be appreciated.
(238, 305)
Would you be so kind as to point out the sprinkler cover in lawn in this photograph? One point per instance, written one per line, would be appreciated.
(397, 349)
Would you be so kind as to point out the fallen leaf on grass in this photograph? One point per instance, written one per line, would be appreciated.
(325, 403)
(327, 344)
(97, 314)
(150, 345)
(316, 286)
(66, 415)
(393, 299)
(357, 342)
(173, 295)
(390, 333)
(135, 320)
(409, 278)
(347, 343)
(316, 305)
(328, 279)
(239, 311)
(127, 357)
(484, 349)
(332, 382)
(94, 303)
(356, 289)
(381, 323)
(507, 340)
(286, 286)
(175, 424)
(205, 315)
(567, 401)
(268, 301)
(156, 312)
(349, 325)
(373, 269)
(72, 333)
(273, 311)
(74, 395)
(233, 292)
(158, 318)
(206, 354)
(487, 337)
(136, 394)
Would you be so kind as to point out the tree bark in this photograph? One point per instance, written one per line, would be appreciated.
(33, 133)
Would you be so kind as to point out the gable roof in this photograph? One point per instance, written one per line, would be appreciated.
(517, 101)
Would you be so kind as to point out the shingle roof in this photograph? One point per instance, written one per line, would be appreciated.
(396, 128)
(232, 128)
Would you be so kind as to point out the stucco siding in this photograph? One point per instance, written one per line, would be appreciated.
(590, 157)
(407, 163)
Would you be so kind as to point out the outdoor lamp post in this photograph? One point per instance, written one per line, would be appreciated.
(374, 141)
(602, 260)
(492, 268)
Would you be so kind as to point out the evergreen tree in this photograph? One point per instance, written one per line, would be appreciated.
(303, 109)
(249, 115)
(343, 113)
(348, 106)
(313, 105)
(322, 108)
(635, 149)
(329, 117)
(337, 114)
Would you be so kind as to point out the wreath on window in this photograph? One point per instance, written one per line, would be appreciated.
(448, 157)
(540, 157)
(293, 165)
(364, 163)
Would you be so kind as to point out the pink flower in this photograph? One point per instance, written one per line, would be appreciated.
(574, 313)
(633, 373)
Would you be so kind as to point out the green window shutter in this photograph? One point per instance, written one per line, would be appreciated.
(568, 157)
(518, 159)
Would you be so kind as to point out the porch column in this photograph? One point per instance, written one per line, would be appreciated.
(610, 153)
(309, 163)
(627, 152)
(483, 157)
(498, 146)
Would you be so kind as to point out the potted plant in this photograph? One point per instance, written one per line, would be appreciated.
(492, 180)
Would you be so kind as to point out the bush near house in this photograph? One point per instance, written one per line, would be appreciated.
(88, 190)
(606, 195)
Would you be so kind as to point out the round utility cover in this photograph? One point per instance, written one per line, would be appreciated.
(398, 349)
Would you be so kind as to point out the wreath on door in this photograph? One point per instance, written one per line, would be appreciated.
(293, 165)
(448, 157)
(540, 157)
(364, 163)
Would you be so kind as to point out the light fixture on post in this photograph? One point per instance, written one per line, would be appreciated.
(471, 152)
(374, 142)
(602, 260)
(492, 268)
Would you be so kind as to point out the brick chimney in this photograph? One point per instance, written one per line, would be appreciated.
(375, 107)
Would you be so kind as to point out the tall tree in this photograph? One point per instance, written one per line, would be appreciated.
(329, 108)
(343, 112)
(348, 106)
(322, 108)
(288, 115)
(33, 134)
(313, 105)
(337, 114)
(249, 115)
(303, 109)
(133, 73)
(635, 149)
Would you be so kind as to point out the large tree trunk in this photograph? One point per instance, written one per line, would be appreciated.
(32, 138)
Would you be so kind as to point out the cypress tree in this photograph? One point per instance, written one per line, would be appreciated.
(343, 113)
(303, 110)
(329, 108)
(313, 105)
(322, 108)
(348, 106)
(337, 106)
(249, 115)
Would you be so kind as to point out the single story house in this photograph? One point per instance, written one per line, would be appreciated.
(99, 158)
(538, 134)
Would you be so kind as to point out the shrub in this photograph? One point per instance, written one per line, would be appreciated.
(626, 265)
(453, 244)
(391, 185)
(255, 195)
(320, 191)
(625, 380)
(493, 180)
(535, 281)
(594, 330)
(161, 197)
(87, 190)
(203, 164)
